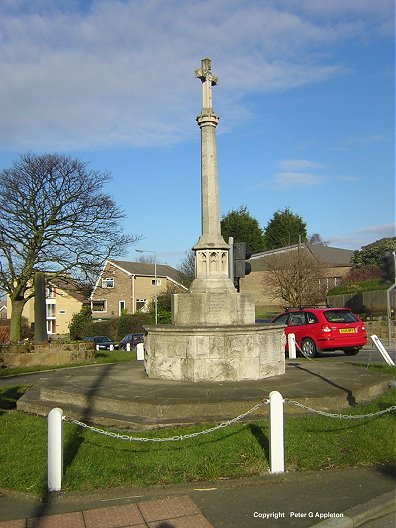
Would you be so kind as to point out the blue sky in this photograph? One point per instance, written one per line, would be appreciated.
(305, 99)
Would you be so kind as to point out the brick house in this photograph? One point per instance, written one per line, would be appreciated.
(335, 263)
(63, 299)
(131, 286)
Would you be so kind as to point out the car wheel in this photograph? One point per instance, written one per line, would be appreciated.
(351, 351)
(308, 348)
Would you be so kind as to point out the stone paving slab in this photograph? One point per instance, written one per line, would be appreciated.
(172, 512)
(114, 517)
(62, 520)
(20, 523)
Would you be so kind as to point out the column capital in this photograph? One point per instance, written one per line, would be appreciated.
(207, 119)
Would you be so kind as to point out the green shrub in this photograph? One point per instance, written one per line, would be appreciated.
(80, 321)
(106, 327)
(357, 287)
(164, 308)
(164, 315)
(131, 324)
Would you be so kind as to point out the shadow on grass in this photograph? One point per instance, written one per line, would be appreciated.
(389, 470)
(262, 440)
(9, 397)
(170, 447)
(72, 445)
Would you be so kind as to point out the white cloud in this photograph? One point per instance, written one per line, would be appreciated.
(363, 141)
(298, 164)
(299, 173)
(294, 173)
(121, 72)
(361, 237)
(286, 180)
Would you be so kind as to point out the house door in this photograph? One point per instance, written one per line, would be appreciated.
(121, 307)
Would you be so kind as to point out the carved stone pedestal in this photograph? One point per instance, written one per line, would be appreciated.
(213, 354)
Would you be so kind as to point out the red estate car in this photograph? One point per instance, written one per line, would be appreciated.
(320, 329)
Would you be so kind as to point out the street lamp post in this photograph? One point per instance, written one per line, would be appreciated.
(155, 280)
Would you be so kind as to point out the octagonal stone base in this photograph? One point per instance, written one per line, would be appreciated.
(223, 353)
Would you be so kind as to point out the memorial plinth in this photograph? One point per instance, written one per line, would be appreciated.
(214, 353)
(213, 336)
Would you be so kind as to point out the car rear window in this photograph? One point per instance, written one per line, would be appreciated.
(340, 316)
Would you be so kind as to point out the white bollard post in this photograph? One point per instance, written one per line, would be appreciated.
(55, 449)
(140, 351)
(97, 348)
(276, 447)
(382, 350)
(128, 347)
(111, 348)
(291, 343)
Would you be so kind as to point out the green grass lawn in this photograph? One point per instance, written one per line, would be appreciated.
(93, 461)
(102, 356)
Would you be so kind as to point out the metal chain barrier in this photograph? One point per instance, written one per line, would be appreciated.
(227, 423)
(340, 416)
(171, 438)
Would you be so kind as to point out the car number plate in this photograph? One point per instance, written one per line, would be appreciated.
(347, 330)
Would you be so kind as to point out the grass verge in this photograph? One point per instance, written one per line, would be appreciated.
(94, 461)
(102, 356)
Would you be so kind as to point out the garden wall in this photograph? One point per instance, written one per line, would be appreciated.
(378, 325)
(369, 301)
(46, 354)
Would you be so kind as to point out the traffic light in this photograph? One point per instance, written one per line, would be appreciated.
(387, 267)
(241, 253)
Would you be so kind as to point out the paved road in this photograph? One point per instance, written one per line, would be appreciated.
(366, 355)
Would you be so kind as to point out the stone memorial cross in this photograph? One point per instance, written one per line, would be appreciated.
(211, 251)
(208, 80)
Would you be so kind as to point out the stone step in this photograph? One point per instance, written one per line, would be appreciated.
(144, 412)
(103, 418)
(168, 405)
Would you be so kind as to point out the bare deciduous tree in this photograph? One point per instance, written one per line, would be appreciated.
(294, 277)
(55, 217)
(187, 269)
(146, 259)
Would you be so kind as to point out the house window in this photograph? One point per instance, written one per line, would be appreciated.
(51, 311)
(51, 292)
(108, 282)
(141, 305)
(121, 307)
(156, 282)
(99, 306)
(51, 326)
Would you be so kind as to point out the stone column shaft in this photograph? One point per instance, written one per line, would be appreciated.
(210, 211)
